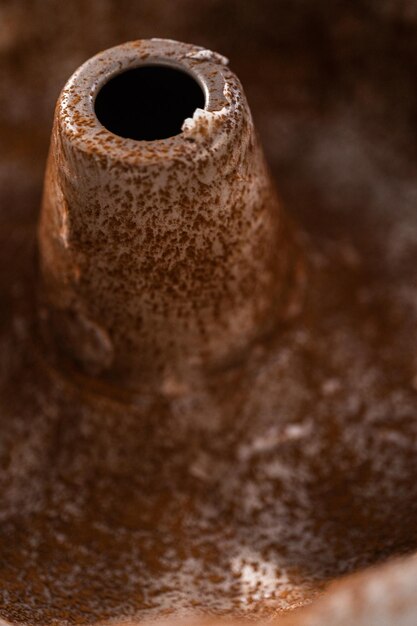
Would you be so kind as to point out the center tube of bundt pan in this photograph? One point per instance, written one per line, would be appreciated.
(163, 248)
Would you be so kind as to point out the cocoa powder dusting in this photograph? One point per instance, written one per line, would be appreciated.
(248, 490)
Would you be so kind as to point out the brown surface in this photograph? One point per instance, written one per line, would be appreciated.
(249, 494)
(162, 260)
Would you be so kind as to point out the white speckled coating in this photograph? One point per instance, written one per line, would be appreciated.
(160, 256)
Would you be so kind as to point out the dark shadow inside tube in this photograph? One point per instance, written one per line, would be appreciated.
(148, 102)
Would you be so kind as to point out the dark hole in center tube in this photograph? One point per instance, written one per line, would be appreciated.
(148, 102)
